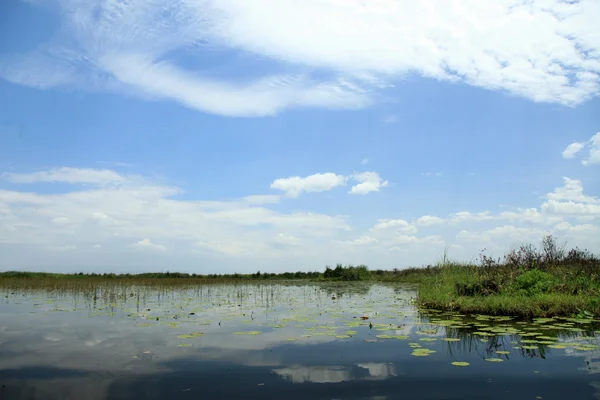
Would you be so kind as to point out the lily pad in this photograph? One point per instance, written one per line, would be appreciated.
(460, 363)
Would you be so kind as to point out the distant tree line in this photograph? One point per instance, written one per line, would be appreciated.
(549, 255)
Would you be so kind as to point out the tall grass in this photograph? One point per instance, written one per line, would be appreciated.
(528, 281)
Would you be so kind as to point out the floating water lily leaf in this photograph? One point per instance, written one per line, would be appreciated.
(494, 359)
(502, 352)
(343, 336)
(351, 332)
(460, 363)
(585, 348)
(530, 347)
(428, 339)
(184, 345)
(450, 339)
(292, 339)
(557, 346)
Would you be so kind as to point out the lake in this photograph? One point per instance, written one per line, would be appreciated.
(282, 340)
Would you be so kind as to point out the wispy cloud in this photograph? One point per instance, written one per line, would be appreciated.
(542, 50)
(431, 174)
(67, 175)
(593, 149)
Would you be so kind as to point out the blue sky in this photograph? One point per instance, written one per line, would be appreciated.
(216, 136)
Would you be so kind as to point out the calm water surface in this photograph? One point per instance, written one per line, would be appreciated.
(282, 341)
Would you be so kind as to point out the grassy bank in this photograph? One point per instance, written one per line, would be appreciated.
(527, 282)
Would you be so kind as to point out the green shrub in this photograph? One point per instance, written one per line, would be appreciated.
(534, 282)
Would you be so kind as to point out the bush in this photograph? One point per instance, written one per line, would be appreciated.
(534, 282)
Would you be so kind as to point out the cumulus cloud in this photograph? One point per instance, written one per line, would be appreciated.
(399, 225)
(546, 51)
(141, 213)
(567, 212)
(429, 220)
(572, 190)
(464, 216)
(295, 185)
(593, 150)
(369, 182)
(138, 223)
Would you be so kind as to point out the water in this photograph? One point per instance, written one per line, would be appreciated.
(281, 341)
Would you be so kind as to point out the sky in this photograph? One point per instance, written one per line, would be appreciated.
(219, 136)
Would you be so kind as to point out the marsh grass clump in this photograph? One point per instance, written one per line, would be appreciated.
(529, 281)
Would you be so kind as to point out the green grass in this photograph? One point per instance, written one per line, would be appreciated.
(529, 283)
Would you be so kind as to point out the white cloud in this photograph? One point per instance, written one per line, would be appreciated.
(147, 244)
(295, 185)
(262, 199)
(572, 190)
(464, 216)
(67, 175)
(541, 50)
(369, 182)
(266, 96)
(66, 230)
(592, 146)
(429, 220)
(594, 150)
(364, 240)
(398, 225)
(504, 236)
(114, 217)
(572, 150)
